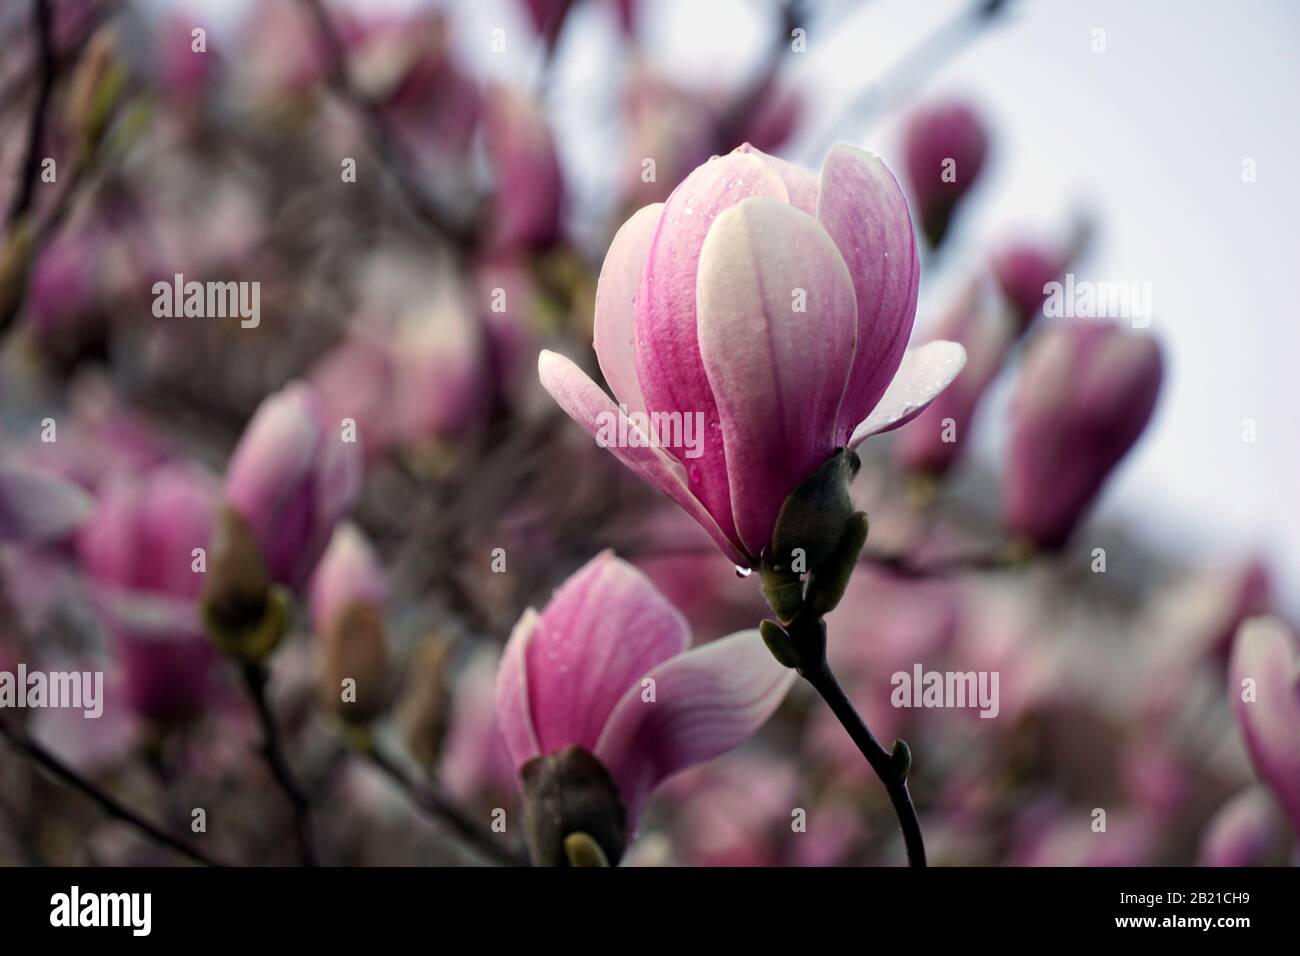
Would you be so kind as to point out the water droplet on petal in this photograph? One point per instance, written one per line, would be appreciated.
(743, 572)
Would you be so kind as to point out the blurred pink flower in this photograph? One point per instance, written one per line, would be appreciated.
(1085, 395)
(349, 574)
(36, 506)
(1022, 270)
(475, 762)
(975, 322)
(1265, 653)
(528, 193)
(355, 380)
(185, 75)
(944, 147)
(606, 668)
(773, 307)
(1247, 831)
(138, 551)
(291, 479)
(735, 811)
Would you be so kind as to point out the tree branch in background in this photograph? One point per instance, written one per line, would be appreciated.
(25, 195)
(65, 774)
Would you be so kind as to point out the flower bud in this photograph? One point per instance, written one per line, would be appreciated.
(944, 147)
(1085, 395)
(567, 793)
(348, 593)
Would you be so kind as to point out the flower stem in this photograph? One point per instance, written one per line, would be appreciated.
(809, 636)
(255, 679)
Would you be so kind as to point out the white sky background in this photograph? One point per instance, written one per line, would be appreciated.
(1149, 136)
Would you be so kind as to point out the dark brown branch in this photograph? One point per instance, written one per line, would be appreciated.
(110, 805)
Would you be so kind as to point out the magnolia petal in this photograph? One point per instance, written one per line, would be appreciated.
(705, 702)
(514, 717)
(36, 506)
(668, 362)
(1270, 723)
(801, 183)
(586, 404)
(777, 373)
(616, 291)
(922, 375)
(864, 211)
(604, 628)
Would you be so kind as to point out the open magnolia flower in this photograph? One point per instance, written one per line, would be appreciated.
(599, 700)
(750, 326)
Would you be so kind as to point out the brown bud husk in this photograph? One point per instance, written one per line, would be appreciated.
(426, 699)
(243, 614)
(353, 648)
(15, 262)
(567, 793)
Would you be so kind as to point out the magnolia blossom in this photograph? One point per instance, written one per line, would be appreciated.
(944, 146)
(36, 506)
(774, 306)
(1023, 271)
(1086, 393)
(1268, 709)
(142, 551)
(605, 668)
(1246, 831)
(291, 480)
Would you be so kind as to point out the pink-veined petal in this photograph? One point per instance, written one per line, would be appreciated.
(604, 628)
(801, 183)
(777, 327)
(922, 375)
(705, 702)
(669, 367)
(591, 408)
(1265, 652)
(864, 211)
(514, 716)
(616, 291)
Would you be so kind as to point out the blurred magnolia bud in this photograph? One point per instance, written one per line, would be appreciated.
(933, 443)
(547, 17)
(528, 193)
(1086, 393)
(944, 148)
(426, 700)
(1262, 688)
(1247, 831)
(348, 594)
(289, 482)
(1024, 268)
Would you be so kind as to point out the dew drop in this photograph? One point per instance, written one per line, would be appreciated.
(743, 572)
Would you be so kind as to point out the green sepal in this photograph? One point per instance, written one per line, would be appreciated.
(814, 516)
(581, 850)
(779, 643)
(830, 579)
(252, 642)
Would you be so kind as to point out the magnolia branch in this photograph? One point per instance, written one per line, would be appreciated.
(255, 679)
(110, 805)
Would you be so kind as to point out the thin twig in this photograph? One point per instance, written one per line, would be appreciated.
(910, 71)
(56, 768)
(255, 679)
(383, 143)
(442, 810)
(25, 195)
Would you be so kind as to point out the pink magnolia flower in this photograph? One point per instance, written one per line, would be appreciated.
(772, 307)
(291, 480)
(605, 668)
(36, 506)
(139, 552)
(474, 762)
(975, 321)
(944, 147)
(1085, 395)
(529, 190)
(355, 380)
(1265, 653)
